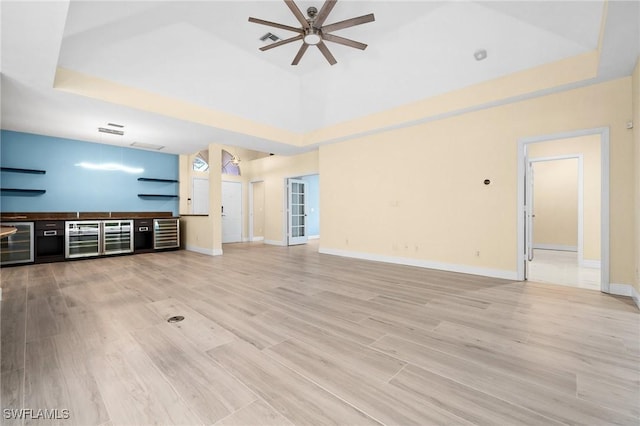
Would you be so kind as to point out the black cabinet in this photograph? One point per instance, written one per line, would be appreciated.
(49, 241)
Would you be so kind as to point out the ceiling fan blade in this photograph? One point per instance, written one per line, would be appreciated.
(281, 42)
(348, 23)
(325, 51)
(324, 12)
(275, 24)
(303, 49)
(299, 16)
(344, 41)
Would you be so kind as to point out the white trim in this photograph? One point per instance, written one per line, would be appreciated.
(590, 263)
(604, 200)
(257, 239)
(451, 267)
(635, 296)
(245, 240)
(208, 252)
(313, 237)
(275, 243)
(0, 294)
(558, 247)
(621, 289)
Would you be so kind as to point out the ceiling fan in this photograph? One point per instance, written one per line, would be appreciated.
(313, 31)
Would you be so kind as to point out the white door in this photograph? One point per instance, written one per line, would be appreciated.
(529, 216)
(231, 212)
(297, 216)
(200, 196)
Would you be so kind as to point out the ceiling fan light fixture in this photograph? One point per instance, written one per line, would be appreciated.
(312, 36)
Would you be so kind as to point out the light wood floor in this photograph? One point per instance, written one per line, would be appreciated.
(562, 268)
(277, 335)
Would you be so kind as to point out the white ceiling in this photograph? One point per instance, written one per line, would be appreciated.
(206, 53)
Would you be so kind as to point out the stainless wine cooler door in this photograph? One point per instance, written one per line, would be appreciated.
(17, 248)
(83, 239)
(118, 236)
(166, 233)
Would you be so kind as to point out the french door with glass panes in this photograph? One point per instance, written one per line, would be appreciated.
(297, 214)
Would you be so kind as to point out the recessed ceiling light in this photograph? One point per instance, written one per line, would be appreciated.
(110, 131)
(147, 146)
(480, 54)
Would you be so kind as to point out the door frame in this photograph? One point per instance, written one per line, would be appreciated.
(288, 236)
(285, 205)
(251, 207)
(580, 158)
(604, 198)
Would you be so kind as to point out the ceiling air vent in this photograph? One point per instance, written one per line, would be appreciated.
(269, 36)
(147, 146)
(110, 131)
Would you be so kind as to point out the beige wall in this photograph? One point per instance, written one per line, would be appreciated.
(258, 210)
(589, 147)
(201, 233)
(273, 171)
(555, 201)
(636, 140)
(417, 192)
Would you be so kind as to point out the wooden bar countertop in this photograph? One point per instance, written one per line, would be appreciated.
(5, 231)
(29, 217)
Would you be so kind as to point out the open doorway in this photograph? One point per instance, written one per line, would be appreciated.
(303, 209)
(565, 224)
(563, 198)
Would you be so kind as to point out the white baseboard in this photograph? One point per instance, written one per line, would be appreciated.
(558, 247)
(313, 237)
(275, 243)
(258, 239)
(451, 267)
(625, 290)
(208, 252)
(245, 239)
(590, 263)
(620, 289)
(635, 296)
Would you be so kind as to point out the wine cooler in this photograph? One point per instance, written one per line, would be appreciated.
(166, 233)
(17, 248)
(117, 236)
(93, 238)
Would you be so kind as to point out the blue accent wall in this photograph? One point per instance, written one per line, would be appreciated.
(73, 188)
(312, 204)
